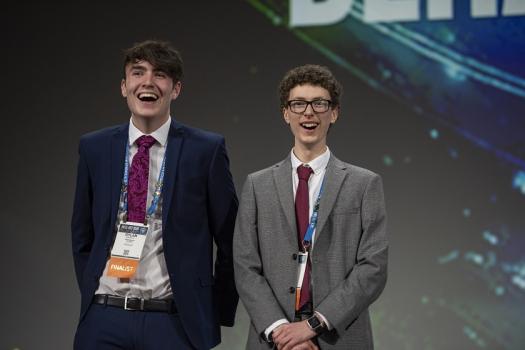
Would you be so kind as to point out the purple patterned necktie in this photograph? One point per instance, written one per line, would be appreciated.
(302, 212)
(138, 180)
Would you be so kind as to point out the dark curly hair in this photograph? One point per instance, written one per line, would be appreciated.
(160, 54)
(310, 74)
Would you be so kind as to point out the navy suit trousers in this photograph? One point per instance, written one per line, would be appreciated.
(111, 328)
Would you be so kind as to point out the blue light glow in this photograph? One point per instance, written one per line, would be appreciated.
(449, 257)
(519, 281)
(519, 181)
(455, 72)
(490, 237)
(387, 160)
(476, 258)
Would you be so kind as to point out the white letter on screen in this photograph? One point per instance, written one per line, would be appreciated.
(484, 8)
(312, 13)
(391, 10)
(513, 8)
(440, 9)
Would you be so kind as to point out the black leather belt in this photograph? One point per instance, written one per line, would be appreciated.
(136, 304)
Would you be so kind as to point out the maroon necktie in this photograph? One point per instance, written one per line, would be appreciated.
(138, 180)
(302, 218)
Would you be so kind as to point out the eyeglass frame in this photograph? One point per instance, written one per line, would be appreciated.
(289, 104)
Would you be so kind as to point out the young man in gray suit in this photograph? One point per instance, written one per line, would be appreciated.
(310, 244)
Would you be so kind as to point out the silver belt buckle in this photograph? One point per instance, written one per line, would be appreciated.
(126, 298)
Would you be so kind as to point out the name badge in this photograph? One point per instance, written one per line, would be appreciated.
(127, 249)
(302, 258)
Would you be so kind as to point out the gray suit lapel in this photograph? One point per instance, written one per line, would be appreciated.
(282, 175)
(333, 179)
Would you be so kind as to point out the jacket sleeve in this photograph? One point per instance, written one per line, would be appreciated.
(367, 279)
(256, 294)
(222, 210)
(81, 222)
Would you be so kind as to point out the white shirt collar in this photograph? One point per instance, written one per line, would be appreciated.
(317, 164)
(161, 134)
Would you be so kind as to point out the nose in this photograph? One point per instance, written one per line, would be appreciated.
(309, 111)
(148, 79)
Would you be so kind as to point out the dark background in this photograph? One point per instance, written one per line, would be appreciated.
(449, 286)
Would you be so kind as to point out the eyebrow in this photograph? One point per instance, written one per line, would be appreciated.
(137, 67)
(313, 99)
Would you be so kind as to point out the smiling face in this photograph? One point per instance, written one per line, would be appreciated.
(148, 91)
(310, 127)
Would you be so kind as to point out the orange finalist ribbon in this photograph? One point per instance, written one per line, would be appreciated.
(122, 267)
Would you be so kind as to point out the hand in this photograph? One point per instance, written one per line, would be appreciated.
(289, 335)
(307, 345)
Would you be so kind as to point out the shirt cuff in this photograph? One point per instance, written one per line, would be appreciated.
(273, 326)
(327, 324)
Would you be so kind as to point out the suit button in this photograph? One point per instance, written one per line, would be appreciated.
(294, 256)
(291, 290)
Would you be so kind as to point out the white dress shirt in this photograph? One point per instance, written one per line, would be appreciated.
(151, 279)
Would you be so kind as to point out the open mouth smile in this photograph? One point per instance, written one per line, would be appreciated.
(309, 125)
(147, 97)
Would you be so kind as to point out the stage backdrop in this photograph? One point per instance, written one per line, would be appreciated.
(434, 101)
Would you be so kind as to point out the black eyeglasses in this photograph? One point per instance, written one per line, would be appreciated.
(319, 106)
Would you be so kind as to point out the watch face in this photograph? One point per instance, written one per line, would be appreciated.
(314, 322)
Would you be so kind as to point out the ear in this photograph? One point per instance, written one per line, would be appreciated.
(123, 90)
(334, 115)
(286, 115)
(177, 87)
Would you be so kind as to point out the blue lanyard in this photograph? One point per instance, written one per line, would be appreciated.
(158, 186)
(313, 220)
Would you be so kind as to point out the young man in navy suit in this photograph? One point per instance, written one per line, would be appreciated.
(152, 196)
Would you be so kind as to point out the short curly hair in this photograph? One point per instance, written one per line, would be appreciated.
(310, 74)
(160, 54)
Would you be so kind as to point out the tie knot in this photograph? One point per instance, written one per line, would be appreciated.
(304, 172)
(146, 141)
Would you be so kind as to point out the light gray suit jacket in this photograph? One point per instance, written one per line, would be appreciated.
(349, 257)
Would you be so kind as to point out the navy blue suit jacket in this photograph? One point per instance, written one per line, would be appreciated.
(199, 206)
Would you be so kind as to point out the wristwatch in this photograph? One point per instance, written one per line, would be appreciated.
(315, 324)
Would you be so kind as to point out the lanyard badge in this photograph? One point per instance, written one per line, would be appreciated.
(302, 259)
(127, 249)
